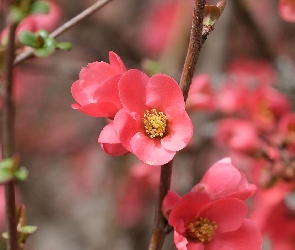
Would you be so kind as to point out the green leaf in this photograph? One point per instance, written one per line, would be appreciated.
(64, 46)
(39, 7)
(16, 14)
(21, 174)
(5, 235)
(5, 175)
(28, 38)
(211, 15)
(43, 33)
(28, 230)
(7, 163)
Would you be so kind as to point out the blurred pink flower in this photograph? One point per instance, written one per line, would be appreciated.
(232, 98)
(237, 134)
(159, 23)
(96, 91)
(35, 22)
(224, 180)
(201, 96)
(266, 106)
(252, 71)
(153, 123)
(287, 10)
(202, 224)
(139, 189)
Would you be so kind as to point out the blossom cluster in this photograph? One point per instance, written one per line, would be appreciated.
(255, 125)
(213, 214)
(147, 114)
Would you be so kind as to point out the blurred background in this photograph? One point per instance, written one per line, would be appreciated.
(77, 195)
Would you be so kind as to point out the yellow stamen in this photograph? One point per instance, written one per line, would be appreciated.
(201, 230)
(155, 123)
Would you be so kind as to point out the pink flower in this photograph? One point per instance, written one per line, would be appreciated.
(224, 180)
(202, 224)
(138, 190)
(287, 10)
(237, 134)
(201, 96)
(153, 123)
(266, 106)
(96, 91)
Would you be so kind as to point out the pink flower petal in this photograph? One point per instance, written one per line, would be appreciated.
(186, 209)
(228, 213)
(163, 92)
(180, 129)
(125, 127)
(78, 93)
(246, 237)
(132, 89)
(221, 180)
(110, 142)
(116, 62)
(98, 109)
(150, 151)
(180, 241)
(170, 199)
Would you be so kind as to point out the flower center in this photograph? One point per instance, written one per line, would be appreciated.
(155, 123)
(201, 230)
(264, 111)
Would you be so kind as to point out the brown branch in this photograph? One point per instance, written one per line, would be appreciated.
(195, 45)
(86, 13)
(8, 115)
(161, 227)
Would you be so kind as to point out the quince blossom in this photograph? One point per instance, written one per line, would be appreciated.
(202, 224)
(153, 123)
(224, 180)
(96, 91)
(287, 10)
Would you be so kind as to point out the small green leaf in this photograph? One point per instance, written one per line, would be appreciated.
(28, 230)
(5, 175)
(16, 14)
(42, 33)
(5, 235)
(28, 38)
(21, 174)
(7, 163)
(64, 46)
(39, 7)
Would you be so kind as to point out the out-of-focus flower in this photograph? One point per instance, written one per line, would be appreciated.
(158, 23)
(266, 106)
(237, 134)
(224, 180)
(287, 10)
(200, 223)
(96, 91)
(232, 98)
(37, 21)
(153, 123)
(138, 190)
(201, 96)
(251, 71)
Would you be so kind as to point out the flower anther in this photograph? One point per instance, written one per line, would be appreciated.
(201, 230)
(155, 123)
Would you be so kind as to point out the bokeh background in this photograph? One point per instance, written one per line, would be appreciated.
(77, 195)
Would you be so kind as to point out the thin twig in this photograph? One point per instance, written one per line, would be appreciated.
(195, 45)
(8, 115)
(161, 227)
(86, 13)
